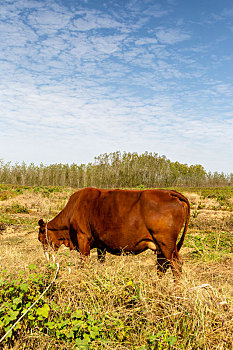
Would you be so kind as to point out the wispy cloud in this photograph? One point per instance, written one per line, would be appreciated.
(92, 78)
(156, 10)
(171, 36)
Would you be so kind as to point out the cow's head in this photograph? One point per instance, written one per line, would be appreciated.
(46, 236)
(52, 238)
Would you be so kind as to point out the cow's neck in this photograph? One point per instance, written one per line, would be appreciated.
(59, 223)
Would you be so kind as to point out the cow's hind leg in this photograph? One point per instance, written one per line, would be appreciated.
(176, 265)
(169, 258)
(162, 263)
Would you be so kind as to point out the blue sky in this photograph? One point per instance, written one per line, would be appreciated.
(81, 78)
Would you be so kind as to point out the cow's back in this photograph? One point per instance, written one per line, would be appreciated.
(114, 208)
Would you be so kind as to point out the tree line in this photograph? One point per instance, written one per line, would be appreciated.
(114, 170)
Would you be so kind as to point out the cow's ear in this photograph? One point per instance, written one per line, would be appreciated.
(41, 223)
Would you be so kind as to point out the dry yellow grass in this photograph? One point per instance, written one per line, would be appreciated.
(135, 309)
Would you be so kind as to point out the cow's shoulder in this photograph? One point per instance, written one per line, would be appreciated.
(88, 194)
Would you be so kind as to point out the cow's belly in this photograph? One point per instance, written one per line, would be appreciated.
(128, 240)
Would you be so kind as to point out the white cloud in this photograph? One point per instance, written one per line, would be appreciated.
(156, 11)
(171, 36)
(94, 20)
(146, 41)
(107, 44)
(88, 81)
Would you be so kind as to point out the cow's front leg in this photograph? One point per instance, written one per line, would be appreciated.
(84, 246)
(101, 254)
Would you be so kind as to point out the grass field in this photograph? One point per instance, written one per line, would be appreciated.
(120, 304)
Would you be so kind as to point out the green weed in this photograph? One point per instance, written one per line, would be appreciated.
(16, 209)
(209, 244)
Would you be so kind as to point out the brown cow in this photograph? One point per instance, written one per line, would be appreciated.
(117, 221)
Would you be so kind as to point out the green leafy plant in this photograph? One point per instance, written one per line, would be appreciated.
(195, 214)
(17, 295)
(17, 208)
(200, 206)
(161, 340)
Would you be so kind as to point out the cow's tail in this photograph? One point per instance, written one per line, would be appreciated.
(184, 199)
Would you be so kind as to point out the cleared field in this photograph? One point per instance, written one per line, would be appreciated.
(120, 304)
